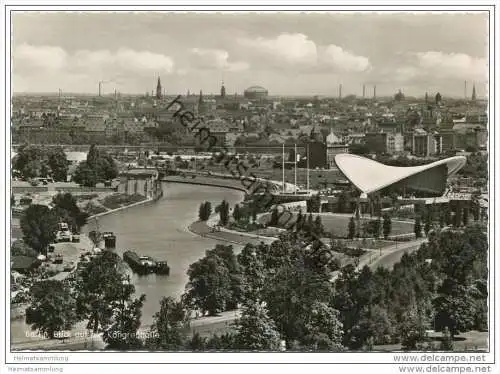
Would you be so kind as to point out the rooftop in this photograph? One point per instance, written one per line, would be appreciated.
(370, 176)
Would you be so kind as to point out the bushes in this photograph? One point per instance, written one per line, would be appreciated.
(205, 211)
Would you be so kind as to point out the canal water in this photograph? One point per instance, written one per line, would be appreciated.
(160, 230)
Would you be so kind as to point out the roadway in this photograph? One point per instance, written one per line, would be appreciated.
(392, 254)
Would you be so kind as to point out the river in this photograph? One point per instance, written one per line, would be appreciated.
(160, 230)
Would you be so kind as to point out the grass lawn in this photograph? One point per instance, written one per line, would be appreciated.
(317, 178)
(337, 225)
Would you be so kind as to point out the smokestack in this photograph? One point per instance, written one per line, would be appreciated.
(375, 91)
(465, 89)
(100, 89)
(364, 89)
(340, 91)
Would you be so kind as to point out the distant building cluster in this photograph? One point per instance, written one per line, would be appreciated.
(398, 125)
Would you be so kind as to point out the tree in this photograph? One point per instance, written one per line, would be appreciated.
(93, 156)
(455, 308)
(387, 226)
(465, 216)
(209, 285)
(125, 319)
(427, 225)
(377, 324)
(97, 287)
(169, 326)
(39, 226)
(85, 175)
(58, 164)
(342, 201)
(67, 209)
(19, 248)
(318, 228)
(253, 273)
(351, 228)
(236, 213)
(205, 211)
(226, 253)
(293, 283)
(447, 340)
(256, 331)
(31, 161)
(412, 330)
(52, 308)
(417, 228)
(442, 219)
(107, 168)
(96, 168)
(299, 221)
(314, 204)
(458, 216)
(223, 209)
(325, 328)
(310, 223)
(274, 217)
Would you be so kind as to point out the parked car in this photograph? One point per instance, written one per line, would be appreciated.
(51, 248)
(63, 236)
(58, 259)
(75, 238)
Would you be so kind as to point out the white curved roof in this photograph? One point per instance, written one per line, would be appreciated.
(370, 176)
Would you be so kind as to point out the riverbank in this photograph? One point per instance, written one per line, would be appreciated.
(201, 180)
(143, 202)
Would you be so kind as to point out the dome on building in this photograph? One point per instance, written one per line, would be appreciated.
(255, 92)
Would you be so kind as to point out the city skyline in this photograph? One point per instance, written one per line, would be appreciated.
(289, 54)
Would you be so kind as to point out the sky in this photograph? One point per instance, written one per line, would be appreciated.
(287, 53)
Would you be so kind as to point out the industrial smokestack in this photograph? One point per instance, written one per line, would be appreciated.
(340, 91)
(364, 89)
(465, 89)
(375, 91)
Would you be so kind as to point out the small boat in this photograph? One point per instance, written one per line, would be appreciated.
(162, 268)
(109, 239)
(143, 265)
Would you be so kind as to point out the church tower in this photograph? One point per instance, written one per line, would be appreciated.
(158, 89)
(223, 91)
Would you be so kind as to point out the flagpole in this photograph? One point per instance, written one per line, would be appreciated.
(295, 172)
(283, 167)
(307, 167)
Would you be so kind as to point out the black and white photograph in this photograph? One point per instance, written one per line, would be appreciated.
(294, 185)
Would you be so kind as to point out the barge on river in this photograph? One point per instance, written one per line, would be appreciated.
(143, 265)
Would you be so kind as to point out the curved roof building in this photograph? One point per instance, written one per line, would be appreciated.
(371, 176)
(255, 92)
